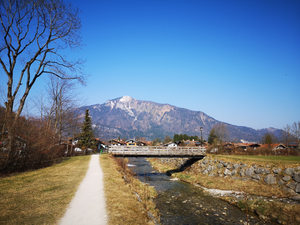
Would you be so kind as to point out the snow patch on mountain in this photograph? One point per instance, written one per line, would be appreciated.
(125, 108)
(126, 99)
(122, 103)
(110, 104)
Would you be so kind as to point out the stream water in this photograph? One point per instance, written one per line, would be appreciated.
(182, 203)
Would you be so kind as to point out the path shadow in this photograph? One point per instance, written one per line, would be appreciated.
(187, 163)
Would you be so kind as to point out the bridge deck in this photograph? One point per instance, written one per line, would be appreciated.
(157, 152)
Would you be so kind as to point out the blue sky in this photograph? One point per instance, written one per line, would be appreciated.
(237, 61)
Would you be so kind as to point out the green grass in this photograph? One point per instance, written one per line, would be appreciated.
(41, 196)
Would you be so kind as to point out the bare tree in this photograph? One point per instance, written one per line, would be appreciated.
(34, 34)
(221, 132)
(167, 139)
(296, 133)
(143, 139)
(58, 108)
(286, 135)
(62, 105)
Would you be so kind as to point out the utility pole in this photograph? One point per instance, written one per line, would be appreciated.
(201, 128)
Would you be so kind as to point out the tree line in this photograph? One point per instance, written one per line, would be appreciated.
(181, 137)
(290, 134)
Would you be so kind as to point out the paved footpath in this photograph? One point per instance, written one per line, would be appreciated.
(88, 204)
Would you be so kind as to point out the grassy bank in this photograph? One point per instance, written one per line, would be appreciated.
(121, 189)
(278, 211)
(41, 196)
(278, 160)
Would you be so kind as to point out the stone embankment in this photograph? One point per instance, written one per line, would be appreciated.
(286, 178)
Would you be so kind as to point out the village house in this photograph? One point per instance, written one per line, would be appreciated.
(115, 142)
(131, 142)
(171, 145)
(98, 144)
(274, 147)
(247, 146)
(141, 143)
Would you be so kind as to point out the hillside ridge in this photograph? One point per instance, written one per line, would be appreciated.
(128, 117)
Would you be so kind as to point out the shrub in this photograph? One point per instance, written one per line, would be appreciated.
(33, 146)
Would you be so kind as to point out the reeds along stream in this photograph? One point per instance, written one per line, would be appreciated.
(182, 203)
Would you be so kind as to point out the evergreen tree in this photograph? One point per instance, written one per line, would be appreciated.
(180, 137)
(212, 136)
(269, 138)
(185, 137)
(195, 138)
(176, 138)
(87, 133)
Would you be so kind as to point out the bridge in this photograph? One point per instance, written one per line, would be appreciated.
(157, 152)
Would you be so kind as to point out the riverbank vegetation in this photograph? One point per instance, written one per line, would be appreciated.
(41, 196)
(278, 160)
(278, 211)
(128, 200)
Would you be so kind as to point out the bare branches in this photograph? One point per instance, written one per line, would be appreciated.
(291, 134)
(34, 33)
(296, 133)
(57, 107)
(286, 135)
(221, 132)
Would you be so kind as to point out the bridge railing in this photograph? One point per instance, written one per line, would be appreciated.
(157, 151)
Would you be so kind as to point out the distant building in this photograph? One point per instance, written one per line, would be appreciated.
(131, 142)
(114, 142)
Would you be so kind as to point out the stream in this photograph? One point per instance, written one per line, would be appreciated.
(182, 203)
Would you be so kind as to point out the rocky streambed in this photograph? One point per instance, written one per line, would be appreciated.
(272, 189)
(184, 203)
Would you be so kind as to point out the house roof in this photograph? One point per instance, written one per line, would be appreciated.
(101, 142)
(116, 141)
(273, 145)
(143, 142)
(167, 144)
(245, 145)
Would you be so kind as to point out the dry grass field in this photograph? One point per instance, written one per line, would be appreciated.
(122, 203)
(41, 196)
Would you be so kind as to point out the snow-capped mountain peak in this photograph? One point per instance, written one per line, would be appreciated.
(126, 99)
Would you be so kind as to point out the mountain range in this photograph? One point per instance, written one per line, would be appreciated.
(126, 117)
